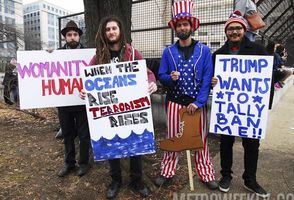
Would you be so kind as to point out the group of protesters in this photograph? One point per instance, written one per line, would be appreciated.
(186, 69)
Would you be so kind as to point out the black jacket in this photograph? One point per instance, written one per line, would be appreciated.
(72, 108)
(246, 48)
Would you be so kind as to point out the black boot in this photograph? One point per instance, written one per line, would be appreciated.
(83, 169)
(113, 189)
(66, 170)
(140, 188)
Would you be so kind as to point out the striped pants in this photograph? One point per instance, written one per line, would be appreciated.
(204, 166)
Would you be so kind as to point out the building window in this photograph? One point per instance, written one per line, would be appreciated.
(9, 20)
(51, 33)
(51, 19)
(8, 6)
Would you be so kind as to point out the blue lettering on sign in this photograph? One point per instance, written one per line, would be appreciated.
(106, 81)
(259, 109)
(220, 103)
(221, 118)
(250, 122)
(246, 85)
(242, 131)
(225, 61)
(226, 128)
(243, 65)
(236, 120)
(234, 64)
(110, 82)
(262, 63)
(231, 108)
(242, 101)
(229, 95)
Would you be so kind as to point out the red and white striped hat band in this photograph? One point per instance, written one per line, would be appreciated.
(183, 10)
(236, 16)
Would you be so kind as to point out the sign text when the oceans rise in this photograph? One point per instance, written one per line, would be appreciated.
(104, 102)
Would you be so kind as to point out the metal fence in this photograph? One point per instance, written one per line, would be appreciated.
(151, 34)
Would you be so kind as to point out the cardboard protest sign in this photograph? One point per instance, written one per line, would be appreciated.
(119, 110)
(51, 79)
(241, 98)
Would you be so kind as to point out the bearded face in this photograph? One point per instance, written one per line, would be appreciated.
(183, 29)
(72, 39)
(112, 32)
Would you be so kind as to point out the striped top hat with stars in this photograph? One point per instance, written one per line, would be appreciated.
(182, 9)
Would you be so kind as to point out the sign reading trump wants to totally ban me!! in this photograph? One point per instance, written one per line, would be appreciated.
(51, 79)
(241, 97)
(119, 109)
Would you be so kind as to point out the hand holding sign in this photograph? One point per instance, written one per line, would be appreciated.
(82, 94)
(214, 81)
(152, 87)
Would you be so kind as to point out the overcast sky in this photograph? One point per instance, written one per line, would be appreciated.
(71, 5)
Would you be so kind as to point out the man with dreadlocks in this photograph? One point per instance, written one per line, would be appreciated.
(111, 46)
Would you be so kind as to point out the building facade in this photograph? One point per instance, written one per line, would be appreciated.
(41, 25)
(11, 28)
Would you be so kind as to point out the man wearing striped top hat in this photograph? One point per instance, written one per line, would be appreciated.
(186, 70)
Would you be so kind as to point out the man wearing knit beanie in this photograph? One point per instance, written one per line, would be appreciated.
(238, 44)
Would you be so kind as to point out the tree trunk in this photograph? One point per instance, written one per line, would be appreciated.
(95, 10)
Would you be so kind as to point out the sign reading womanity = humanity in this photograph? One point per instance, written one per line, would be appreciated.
(51, 79)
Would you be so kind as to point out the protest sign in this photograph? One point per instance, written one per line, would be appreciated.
(119, 110)
(241, 97)
(51, 79)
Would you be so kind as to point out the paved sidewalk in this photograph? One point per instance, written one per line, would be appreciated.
(276, 159)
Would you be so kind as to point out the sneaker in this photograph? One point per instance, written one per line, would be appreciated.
(224, 184)
(139, 188)
(212, 185)
(59, 134)
(257, 189)
(161, 180)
